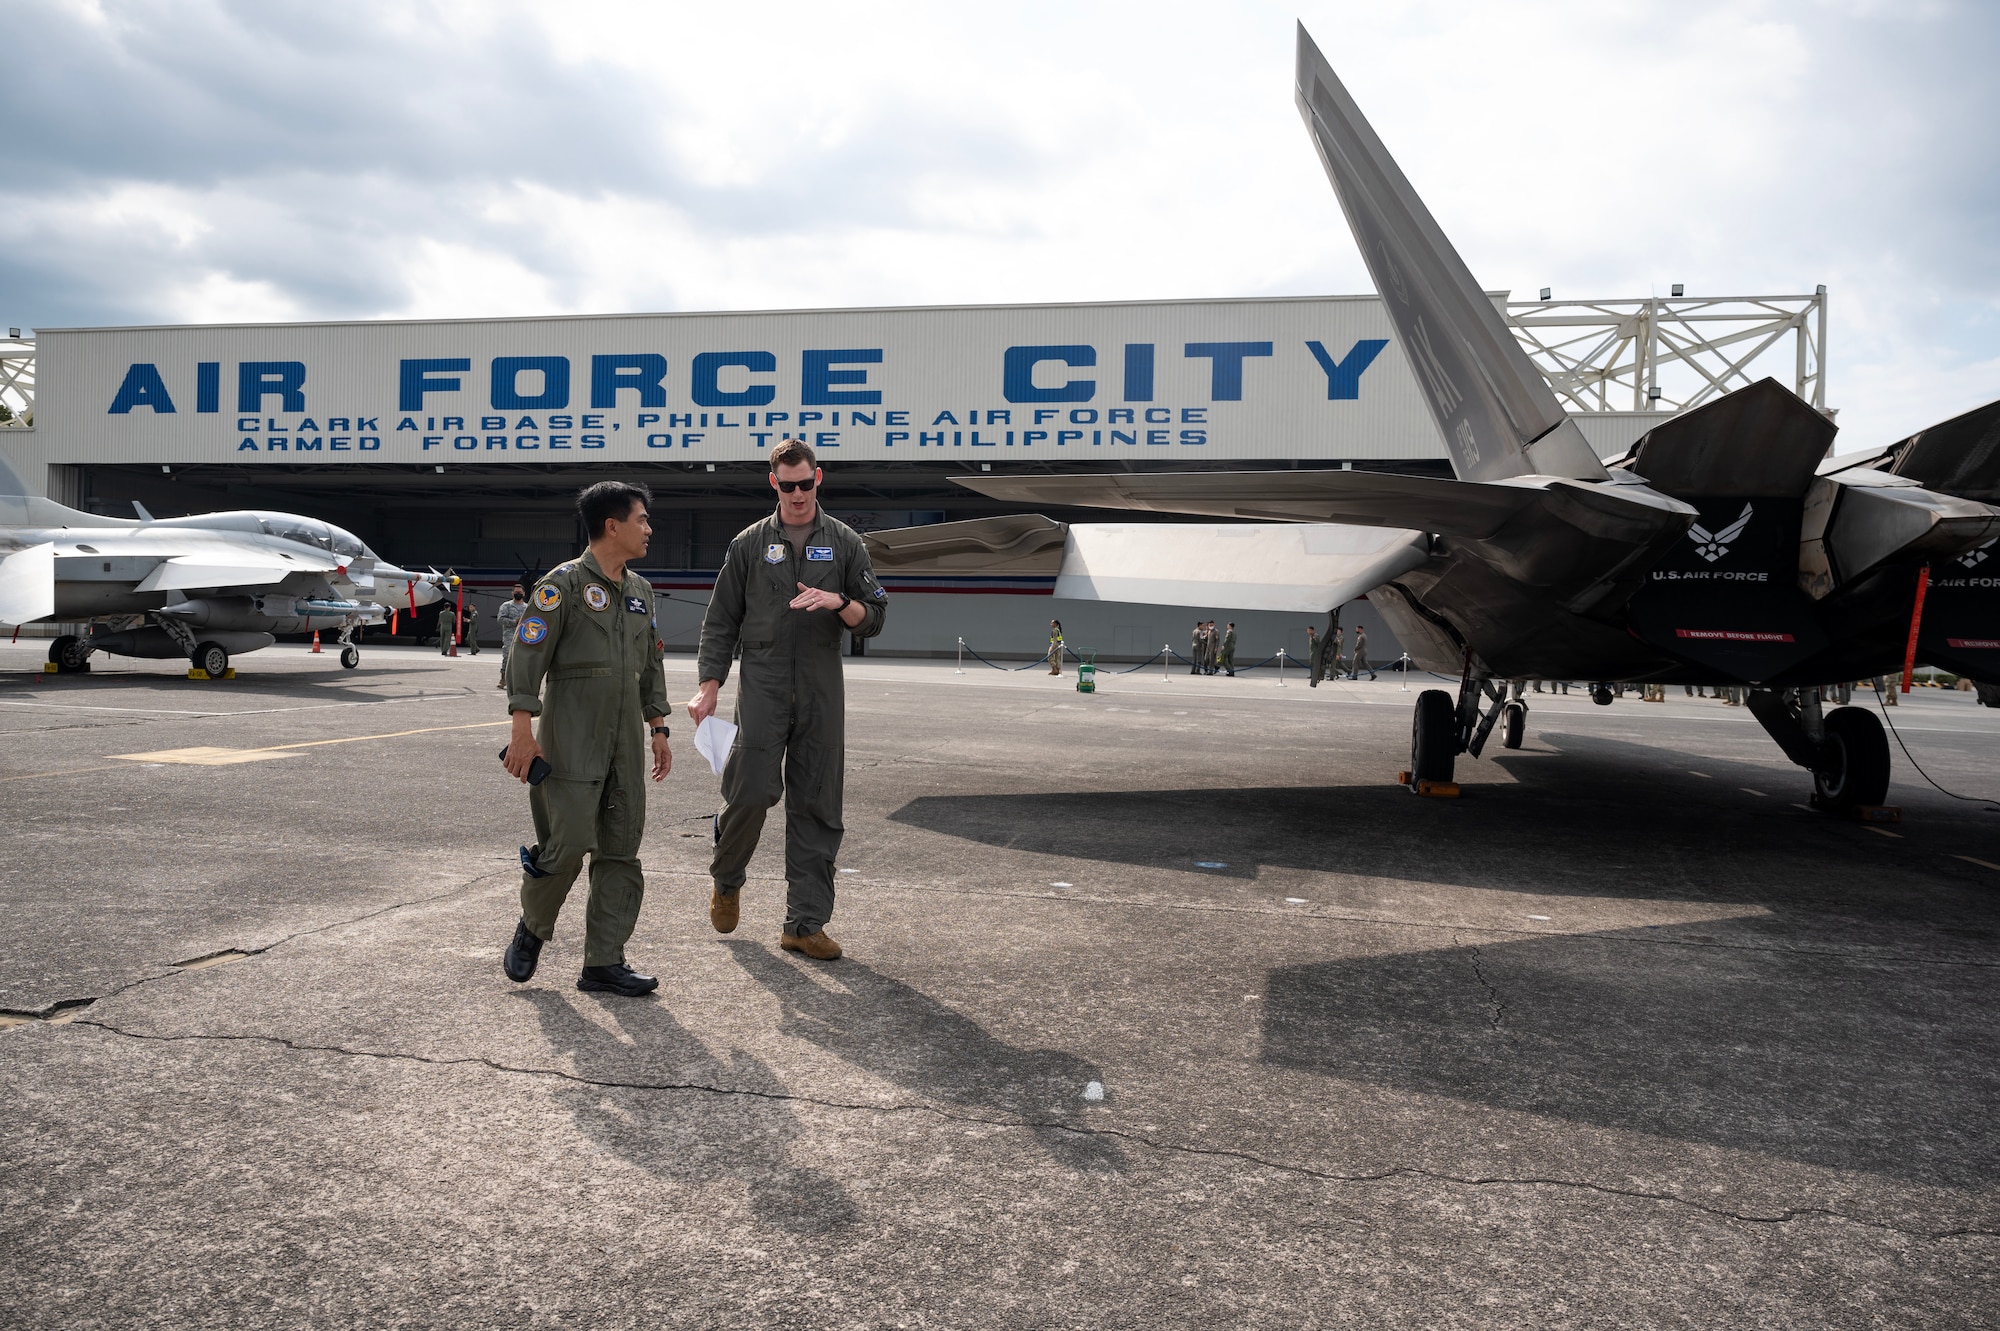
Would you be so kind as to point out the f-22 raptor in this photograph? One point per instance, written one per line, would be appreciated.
(204, 587)
(1724, 548)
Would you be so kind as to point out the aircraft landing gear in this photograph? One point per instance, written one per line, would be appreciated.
(70, 654)
(350, 655)
(1602, 694)
(1845, 750)
(1513, 724)
(1433, 738)
(210, 657)
(1853, 770)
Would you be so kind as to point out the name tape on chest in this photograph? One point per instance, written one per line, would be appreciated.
(596, 597)
(635, 604)
(774, 553)
(820, 554)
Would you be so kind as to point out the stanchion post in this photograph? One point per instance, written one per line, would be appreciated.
(961, 658)
(1166, 663)
(1281, 667)
(1406, 672)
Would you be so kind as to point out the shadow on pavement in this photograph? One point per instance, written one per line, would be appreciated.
(1836, 1064)
(656, 1132)
(891, 1031)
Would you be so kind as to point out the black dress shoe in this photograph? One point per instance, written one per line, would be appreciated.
(618, 979)
(522, 954)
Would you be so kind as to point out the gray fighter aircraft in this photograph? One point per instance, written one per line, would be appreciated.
(204, 587)
(1724, 548)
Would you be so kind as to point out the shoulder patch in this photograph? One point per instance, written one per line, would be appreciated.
(548, 596)
(532, 630)
(595, 596)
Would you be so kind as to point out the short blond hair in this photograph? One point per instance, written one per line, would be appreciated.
(791, 452)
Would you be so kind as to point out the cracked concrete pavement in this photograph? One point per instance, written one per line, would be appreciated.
(1623, 1037)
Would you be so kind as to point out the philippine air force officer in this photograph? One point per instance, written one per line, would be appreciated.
(590, 635)
(788, 588)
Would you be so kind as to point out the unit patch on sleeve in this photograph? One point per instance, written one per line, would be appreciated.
(635, 605)
(532, 631)
(595, 596)
(774, 553)
(820, 554)
(548, 596)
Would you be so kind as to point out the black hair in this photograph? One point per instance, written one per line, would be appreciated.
(599, 503)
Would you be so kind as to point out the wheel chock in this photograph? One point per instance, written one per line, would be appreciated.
(51, 668)
(1437, 790)
(197, 672)
(1403, 778)
(1876, 813)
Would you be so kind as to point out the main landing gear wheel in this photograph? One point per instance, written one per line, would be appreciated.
(70, 655)
(1854, 762)
(1601, 694)
(1513, 723)
(350, 657)
(1433, 737)
(212, 657)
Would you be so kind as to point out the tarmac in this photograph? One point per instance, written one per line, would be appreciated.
(1163, 1006)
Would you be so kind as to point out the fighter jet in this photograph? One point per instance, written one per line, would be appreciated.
(1724, 548)
(204, 587)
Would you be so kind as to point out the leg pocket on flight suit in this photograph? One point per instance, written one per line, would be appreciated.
(813, 781)
(621, 821)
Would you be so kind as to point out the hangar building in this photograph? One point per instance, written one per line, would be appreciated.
(461, 443)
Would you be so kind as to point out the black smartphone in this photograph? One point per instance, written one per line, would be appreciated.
(537, 769)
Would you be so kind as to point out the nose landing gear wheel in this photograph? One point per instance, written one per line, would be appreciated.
(211, 657)
(1513, 723)
(1433, 737)
(1601, 694)
(350, 657)
(1854, 763)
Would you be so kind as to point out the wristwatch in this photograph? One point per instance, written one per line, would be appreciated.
(845, 601)
(660, 731)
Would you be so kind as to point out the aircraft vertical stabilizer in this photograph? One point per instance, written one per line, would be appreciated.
(1497, 414)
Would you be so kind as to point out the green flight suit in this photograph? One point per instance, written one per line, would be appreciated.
(791, 704)
(1228, 658)
(596, 644)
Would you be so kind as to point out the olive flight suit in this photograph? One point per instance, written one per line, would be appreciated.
(596, 644)
(1228, 658)
(791, 706)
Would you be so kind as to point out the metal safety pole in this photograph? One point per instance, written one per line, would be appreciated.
(1166, 663)
(1281, 667)
(961, 658)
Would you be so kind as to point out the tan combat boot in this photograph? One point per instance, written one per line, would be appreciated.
(722, 907)
(819, 946)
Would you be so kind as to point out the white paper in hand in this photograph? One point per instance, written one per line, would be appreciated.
(712, 740)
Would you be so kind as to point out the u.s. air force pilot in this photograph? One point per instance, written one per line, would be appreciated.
(590, 634)
(787, 588)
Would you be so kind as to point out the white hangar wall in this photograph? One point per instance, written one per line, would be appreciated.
(1160, 383)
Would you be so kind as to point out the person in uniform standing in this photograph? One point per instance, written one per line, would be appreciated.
(1055, 646)
(510, 619)
(1229, 651)
(787, 588)
(1194, 650)
(447, 629)
(469, 633)
(591, 636)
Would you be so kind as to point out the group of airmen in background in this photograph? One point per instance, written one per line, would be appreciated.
(1211, 651)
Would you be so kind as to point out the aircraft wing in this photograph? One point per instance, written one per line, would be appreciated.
(1568, 539)
(1497, 414)
(28, 584)
(182, 572)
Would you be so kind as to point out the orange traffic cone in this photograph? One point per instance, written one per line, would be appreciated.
(315, 640)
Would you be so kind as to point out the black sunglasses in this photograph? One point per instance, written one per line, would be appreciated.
(806, 484)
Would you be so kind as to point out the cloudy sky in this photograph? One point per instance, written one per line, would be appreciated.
(264, 160)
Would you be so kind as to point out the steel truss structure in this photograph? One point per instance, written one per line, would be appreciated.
(1610, 355)
(17, 380)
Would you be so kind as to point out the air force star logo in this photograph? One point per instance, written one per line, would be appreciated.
(1977, 555)
(1714, 545)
